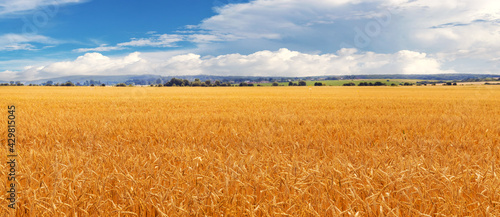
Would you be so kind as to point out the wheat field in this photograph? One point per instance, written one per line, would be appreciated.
(261, 151)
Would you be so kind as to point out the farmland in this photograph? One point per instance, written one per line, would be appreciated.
(355, 81)
(270, 151)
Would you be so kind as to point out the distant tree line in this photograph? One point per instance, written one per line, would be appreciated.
(349, 84)
(71, 84)
(377, 83)
(480, 79)
(176, 82)
(300, 83)
(226, 81)
(12, 83)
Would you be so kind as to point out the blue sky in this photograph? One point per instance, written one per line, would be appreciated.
(88, 24)
(52, 38)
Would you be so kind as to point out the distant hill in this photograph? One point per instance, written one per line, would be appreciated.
(429, 77)
(107, 79)
(149, 78)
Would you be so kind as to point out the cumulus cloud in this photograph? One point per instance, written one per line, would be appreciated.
(372, 25)
(7, 75)
(92, 63)
(88, 64)
(282, 62)
(382, 26)
(327, 37)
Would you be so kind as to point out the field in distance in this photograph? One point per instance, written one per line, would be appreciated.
(388, 82)
(298, 151)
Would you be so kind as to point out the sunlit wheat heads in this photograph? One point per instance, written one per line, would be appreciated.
(256, 151)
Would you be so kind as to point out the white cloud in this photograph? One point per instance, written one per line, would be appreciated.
(326, 25)
(101, 48)
(17, 6)
(390, 36)
(7, 75)
(208, 38)
(20, 64)
(11, 47)
(92, 63)
(156, 40)
(165, 40)
(387, 25)
(88, 64)
(10, 42)
(282, 62)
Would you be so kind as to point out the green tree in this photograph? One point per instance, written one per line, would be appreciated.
(196, 83)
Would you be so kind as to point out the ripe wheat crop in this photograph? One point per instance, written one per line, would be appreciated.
(261, 151)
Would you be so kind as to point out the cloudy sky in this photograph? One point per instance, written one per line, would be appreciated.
(52, 38)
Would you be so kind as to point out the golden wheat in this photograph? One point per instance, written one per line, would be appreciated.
(262, 151)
